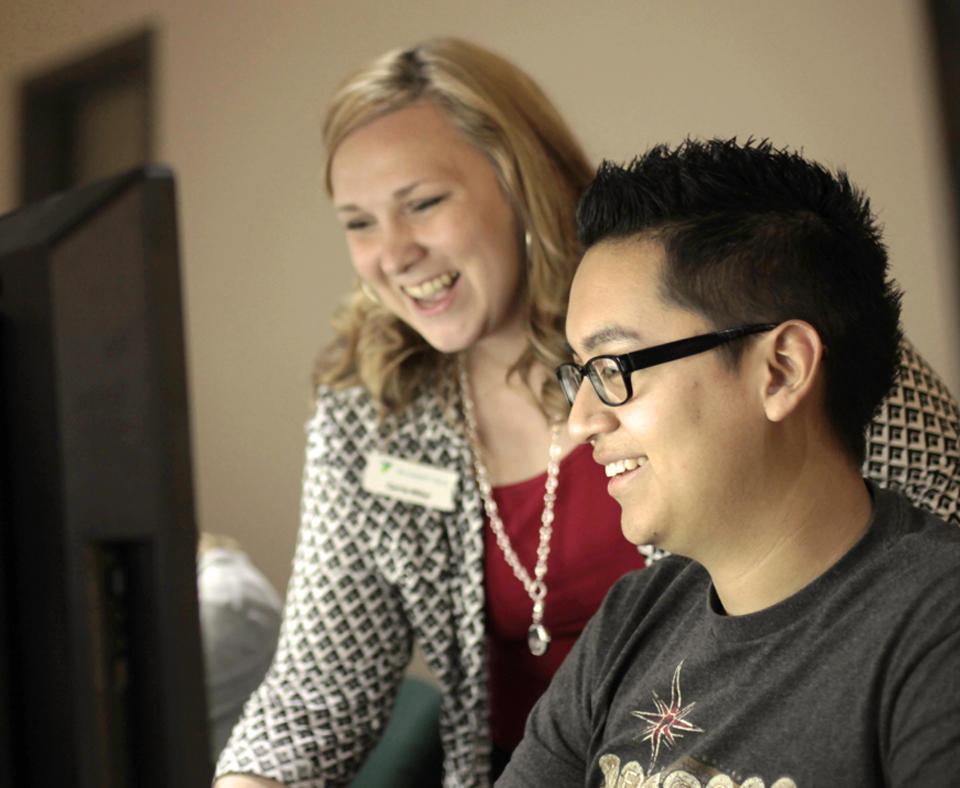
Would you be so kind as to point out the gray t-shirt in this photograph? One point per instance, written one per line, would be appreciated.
(853, 681)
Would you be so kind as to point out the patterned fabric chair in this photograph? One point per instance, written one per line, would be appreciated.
(912, 444)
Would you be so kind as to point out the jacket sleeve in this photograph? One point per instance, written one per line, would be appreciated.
(344, 641)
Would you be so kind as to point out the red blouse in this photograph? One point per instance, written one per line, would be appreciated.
(587, 553)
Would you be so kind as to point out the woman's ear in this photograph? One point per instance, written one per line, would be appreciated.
(794, 353)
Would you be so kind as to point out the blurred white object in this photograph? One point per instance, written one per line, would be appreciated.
(239, 623)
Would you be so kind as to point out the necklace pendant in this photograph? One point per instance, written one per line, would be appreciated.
(538, 639)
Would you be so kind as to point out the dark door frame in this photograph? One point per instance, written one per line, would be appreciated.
(51, 101)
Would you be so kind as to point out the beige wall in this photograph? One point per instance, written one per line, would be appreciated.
(241, 87)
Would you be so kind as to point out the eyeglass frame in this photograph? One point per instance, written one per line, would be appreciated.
(628, 363)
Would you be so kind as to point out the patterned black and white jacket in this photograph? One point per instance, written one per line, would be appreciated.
(372, 575)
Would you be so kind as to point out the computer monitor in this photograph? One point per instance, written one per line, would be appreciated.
(101, 677)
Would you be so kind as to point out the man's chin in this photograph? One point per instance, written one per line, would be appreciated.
(638, 532)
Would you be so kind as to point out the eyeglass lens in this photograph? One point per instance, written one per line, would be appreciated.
(570, 380)
(605, 375)
(608, 380)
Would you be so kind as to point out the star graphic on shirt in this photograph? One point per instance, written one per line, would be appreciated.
(669, 722)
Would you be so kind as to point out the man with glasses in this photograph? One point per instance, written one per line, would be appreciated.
(733, 330)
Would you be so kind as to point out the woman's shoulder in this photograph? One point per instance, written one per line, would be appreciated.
(913, 441)
(349, 399)
(429, 416)
(427, 402)
(921, 387)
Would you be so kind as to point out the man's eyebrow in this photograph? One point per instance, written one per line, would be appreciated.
(608, 334)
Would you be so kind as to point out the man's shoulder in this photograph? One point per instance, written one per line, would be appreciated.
(917, 555)
(907, 528)
(665, 581)
(663, 568)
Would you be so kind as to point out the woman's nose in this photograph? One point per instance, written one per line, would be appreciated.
(400, 249)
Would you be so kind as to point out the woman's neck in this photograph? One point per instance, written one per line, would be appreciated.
(514, 433)
(493, 356)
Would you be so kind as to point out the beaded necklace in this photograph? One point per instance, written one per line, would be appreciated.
(538, 637)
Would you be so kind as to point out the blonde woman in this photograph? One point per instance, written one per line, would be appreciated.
(455, 180)
(444, 503)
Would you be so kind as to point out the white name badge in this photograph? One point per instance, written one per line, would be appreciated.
(413, 482)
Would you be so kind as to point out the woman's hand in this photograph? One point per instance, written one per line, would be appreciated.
(245, 781)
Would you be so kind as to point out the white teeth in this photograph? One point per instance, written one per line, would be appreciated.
(431, 286)
(622, 466)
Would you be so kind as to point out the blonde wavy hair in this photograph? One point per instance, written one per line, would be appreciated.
(542, 171)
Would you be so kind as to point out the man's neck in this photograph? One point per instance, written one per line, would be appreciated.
(802, 529)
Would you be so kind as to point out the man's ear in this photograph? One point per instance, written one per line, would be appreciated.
(793, 358)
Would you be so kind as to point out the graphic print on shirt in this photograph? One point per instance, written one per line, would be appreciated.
(668, 722)
(684, 773)
(664, 726)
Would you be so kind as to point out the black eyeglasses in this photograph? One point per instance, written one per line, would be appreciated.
(610, 375)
